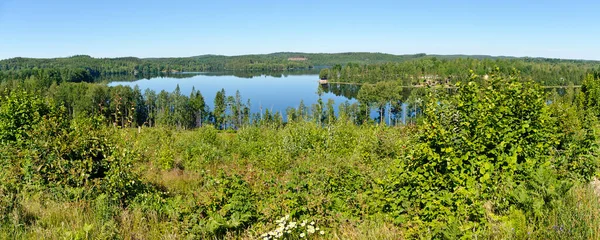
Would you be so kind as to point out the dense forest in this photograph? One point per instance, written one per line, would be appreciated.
(428, 71)
(131, 65)
(490, 154)
(347, 67)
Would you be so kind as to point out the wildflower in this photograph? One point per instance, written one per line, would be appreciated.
(312, 223)
(322, 232)
(310, 229)
(302, 235)
(317, 228)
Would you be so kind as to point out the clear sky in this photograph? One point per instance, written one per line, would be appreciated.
(179, 28)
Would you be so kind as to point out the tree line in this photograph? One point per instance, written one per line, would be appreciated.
(433, 70)
(126, 106)
(352, 66)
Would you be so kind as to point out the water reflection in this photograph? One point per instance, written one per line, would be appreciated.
(275, 92)
(278, 92)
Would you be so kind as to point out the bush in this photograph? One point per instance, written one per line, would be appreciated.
(476, 147)
(58, 152)
(230, 207)
(20, 111)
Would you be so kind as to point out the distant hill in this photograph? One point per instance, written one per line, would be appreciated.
(254, 62)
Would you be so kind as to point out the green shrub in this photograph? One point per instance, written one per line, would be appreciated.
(476, 146)
(58, 152)
(20, 111)
(231, 207)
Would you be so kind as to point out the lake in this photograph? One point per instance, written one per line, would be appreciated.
(274, 92)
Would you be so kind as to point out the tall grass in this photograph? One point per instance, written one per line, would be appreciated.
(302, 170)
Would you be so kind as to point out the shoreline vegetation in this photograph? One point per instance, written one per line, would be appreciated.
(496, 157)
(446, 86)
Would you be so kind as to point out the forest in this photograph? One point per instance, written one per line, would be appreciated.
(428, 71)
(489, 154)
(352, 67)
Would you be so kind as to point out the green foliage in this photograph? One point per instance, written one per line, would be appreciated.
(220, 109)
(58, 152)
(85, 68)
(166, 159)
(442, 70)
(475, 147)
(231, 206)
(20, 111)
(324, 74)
(575, 128)
(9, 185)
(591, 93)
(379, 95)
(492, 158)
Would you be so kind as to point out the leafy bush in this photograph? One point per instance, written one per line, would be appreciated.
(231, 206)
(575, 129)
(475, 147)
(56, 151)
(20, 111)
(9, 185)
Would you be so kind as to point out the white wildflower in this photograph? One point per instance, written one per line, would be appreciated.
(302, 235)
(310, 229)
(322, 232)
(312, 223)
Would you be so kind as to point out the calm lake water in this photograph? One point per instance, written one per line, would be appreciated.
(266, 91)
(275, 92)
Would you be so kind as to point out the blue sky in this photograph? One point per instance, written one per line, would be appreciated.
(179, 28)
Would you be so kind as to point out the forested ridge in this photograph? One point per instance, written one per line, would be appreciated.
(262, 62)
(488, 155)
(345, 67)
